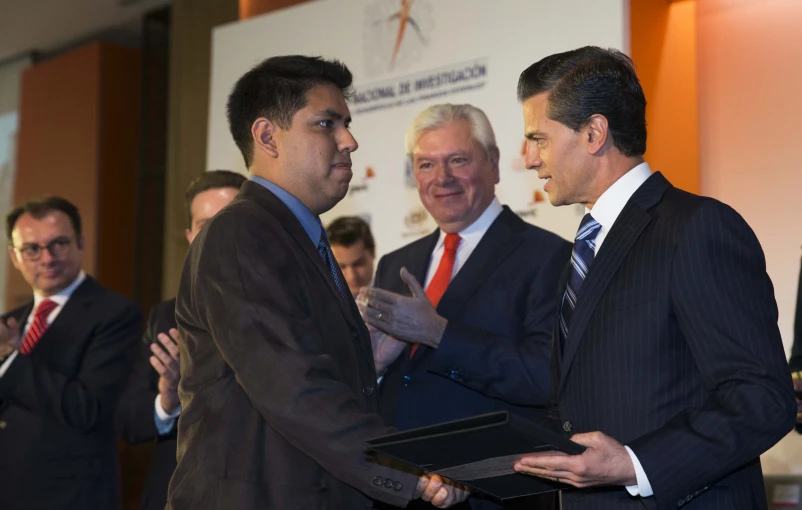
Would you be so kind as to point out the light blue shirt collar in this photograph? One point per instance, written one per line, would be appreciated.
(309, 221)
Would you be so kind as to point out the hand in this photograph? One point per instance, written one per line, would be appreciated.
(605, 462)
(412, 319)
(386, 349)
(798, 388)
(441, 493)
(10, 338)
(166, 364)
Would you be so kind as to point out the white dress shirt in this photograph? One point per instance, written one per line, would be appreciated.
(470, 240)
(606, 211)
(60, 299)
(164, 421)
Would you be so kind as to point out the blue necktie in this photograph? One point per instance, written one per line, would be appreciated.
(581, 260)
(328, 258)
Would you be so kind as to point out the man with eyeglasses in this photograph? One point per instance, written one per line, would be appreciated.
(64, 359)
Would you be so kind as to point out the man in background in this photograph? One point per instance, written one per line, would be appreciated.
(149, 408)
(461, 320)
(353, 247)
(64, 360)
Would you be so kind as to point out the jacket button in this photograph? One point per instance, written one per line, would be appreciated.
(397, 486)
(367, 390)
(388, 483)
(378, 480)
(3, 425)
(567, 426)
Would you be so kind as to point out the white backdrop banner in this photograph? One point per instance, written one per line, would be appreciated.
(406, 55)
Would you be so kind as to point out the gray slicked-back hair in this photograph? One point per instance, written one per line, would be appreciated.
(438, 115)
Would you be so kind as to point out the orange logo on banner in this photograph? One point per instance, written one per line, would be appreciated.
(538, 197)
(370, 173)
(403, 18)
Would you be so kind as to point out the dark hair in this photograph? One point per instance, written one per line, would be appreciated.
(41, 207)
(276, 89)
(589, 81)
(348, 230)
(213, 179)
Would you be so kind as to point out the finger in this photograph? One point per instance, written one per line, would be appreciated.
(12, 324)
(443, 498)
(423, 482)
(375, 296)
(175, 335)
(158, 366)
(556, 476)
(412, 282)
(376, 317)
(435, 483)
(547, 461)
(169, 344)
(169, 363)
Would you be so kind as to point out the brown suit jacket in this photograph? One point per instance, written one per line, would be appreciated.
(277, 384)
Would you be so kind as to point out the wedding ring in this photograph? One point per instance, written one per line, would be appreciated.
(380, 316)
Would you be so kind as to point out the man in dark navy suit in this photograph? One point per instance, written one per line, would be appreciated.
(64, 359)
(669, 366)
(149, 408)
(475, 335)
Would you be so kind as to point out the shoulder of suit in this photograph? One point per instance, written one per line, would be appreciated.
(412, 248)
(529, 232)
(104, 296)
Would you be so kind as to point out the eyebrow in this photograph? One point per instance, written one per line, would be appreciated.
(328, 112)
(531, 135)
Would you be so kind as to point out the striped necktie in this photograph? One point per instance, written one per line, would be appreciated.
(38, 325)
(324, 250)
(581, 259)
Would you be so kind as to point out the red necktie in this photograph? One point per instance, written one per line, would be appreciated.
(442, 277)
(38, 326)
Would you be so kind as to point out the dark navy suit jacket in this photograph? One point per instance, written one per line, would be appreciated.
(496, 350)
(674, 350)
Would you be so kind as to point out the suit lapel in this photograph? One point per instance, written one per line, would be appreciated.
(494, 247)
(267, 199)
(625, 232)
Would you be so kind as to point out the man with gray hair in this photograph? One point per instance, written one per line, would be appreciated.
(461, 319)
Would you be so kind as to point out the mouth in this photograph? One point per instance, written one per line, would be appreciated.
(447, 194)
(345, 165)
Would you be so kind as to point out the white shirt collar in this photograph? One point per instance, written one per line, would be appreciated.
(612, 201)
(61, 298)
(473, 233)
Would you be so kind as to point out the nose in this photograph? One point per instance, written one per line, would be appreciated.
(45, 257)
(532, 159)
(347, 142)
(443, 173)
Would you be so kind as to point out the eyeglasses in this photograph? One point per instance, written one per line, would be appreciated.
(56, 247)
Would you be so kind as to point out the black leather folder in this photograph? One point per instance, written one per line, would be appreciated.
(479, 452)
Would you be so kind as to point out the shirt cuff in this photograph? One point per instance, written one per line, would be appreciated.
(7, 363)
(164, 422)
(644, 488)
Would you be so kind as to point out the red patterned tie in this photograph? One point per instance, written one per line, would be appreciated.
(442, 277)
(38, 326)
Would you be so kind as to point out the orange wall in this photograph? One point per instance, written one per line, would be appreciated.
(663, 47)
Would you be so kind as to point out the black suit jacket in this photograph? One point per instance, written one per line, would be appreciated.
(796, 349)
(58, 449)
(495, 353)
(674, 350)
(135, 421)
(277, 375)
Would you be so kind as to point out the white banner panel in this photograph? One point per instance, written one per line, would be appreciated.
(406, 55)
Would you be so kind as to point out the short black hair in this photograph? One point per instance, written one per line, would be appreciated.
(213, 179)
(590, 81)
(42, 206)
(348, 230)
(276, 89)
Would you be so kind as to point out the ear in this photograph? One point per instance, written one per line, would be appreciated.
(597, 133)
(188, 235)
(494, 154)
(13, 256)
(79, 241)
(263, 132)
